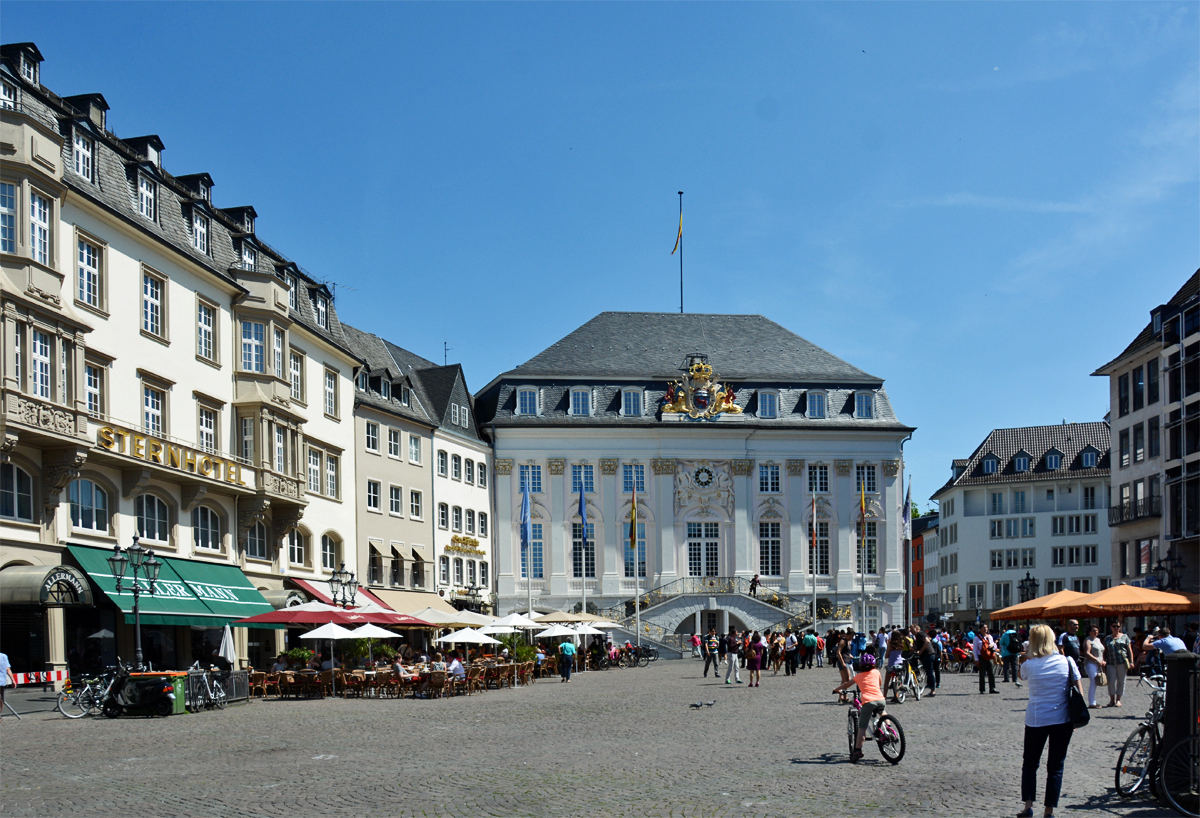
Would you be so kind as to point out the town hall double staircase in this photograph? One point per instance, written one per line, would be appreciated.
(665, 607)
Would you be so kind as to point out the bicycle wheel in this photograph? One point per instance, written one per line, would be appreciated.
(643, 661)
(653, 654)
(899, 689)
(915, 687)
(852, 727)
(1179, 776)
(1133, 762)
(890, 736)
(70, 704)
(218, 695)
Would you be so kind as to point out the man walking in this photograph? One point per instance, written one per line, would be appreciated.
(984, 648)
(1068, 642)
(732, 643)
(810, 648)
(791, 648)
(1010, 649)
(711, 654)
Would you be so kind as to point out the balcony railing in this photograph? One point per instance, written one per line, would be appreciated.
(1135, 510)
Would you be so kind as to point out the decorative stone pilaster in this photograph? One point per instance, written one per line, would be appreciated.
(795, 468)
(59, 468)
(662, 465)
(556, 465)
(608, 465)
(891, 468)
(741, 468)
(843, 467)
(503, 466)
(250, 511)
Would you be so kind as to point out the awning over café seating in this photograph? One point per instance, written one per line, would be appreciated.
(413, 601)
(188, 592)
(320, 592)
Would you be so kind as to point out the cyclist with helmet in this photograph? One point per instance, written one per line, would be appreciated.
(870, 689)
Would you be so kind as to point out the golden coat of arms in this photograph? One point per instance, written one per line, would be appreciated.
(697, 394)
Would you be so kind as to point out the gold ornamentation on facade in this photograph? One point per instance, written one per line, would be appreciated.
(843, 467)
(742, 467)
(795, 468)
(503, 466)
(698, 395)
(465, 545)
(608, 465)
(662, 465)
(891, 468)
(556, 465)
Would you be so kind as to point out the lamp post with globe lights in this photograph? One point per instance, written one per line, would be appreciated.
(142, 561)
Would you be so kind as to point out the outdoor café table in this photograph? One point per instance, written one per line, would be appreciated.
(311, 680)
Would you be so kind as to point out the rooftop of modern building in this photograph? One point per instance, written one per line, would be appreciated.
(1148, 338)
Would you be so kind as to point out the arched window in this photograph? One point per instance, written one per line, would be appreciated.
(527, 401)
(297, 546)
(329, 552)
(89, 507)
(153, 521)
(206, 528)
(256, 542)
(16, 493)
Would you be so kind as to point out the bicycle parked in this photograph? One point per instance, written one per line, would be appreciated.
(209, 694)
(88, 700)
(1136, 761)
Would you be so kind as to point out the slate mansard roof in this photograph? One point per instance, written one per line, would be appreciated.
(1146, 338)
(1068, 439)
(618, 350)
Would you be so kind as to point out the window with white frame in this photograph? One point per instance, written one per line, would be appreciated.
(768, 478)
(1012, 528)
(152, 410)
(631, 403)
(469, 472)
(444, 570)
(147, 197)
(414, 504)
(329, 555)
(291, 282)
(443, 464)
(1021, 462)
(8, 96)
(200, 231)
(443, 515)
(249, 256)
(997, 503)
(385, 389)
(296, 376)
(372, 436)
(768, 404)
(819, 560)
(1058, 556)
(527, 402)
(206, 322)
(1081, 586)
(483, 524)
(1053, 461)
(89, 507)
(414, 449)
(867, 545)
(152, 304)
(331, 475)
(864, 479)
(93, 389)
(1089, 496)
(280, 450)
(769, 550)
(253, 349)
(816, 404)
(314, 470)
(321, 307)
(469, 522)
(481, 475)
(394, 443)
(277, 353)
(16, 493)
(39, 227)
(247, 439)
(1089, 555)
(82, 155)
(1028, 526)
(1089, 523)
(458, 571)
(583, 550)
(206, 529)
(633, 478)
(1019, 502)
(454, 413)
(256, 542)
(989, 465)
(373, 495)
(40, 358)
(153, 521)
(29, 69)
(530, 477)
(207, 419)
(635, 558)
(996, 529)
(864, 405)
(456, 467)
(1028, 557)
(395, 500)
(88, 280)
(1089, 460)
(297, 547)
(331, 393)
(582, 475)
(581, 402)
(8, 218)
(818, 478)
(456, 518)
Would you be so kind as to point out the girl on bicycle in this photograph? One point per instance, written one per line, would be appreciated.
(870, 693)
(895, 658)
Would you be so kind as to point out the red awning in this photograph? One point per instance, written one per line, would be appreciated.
(314, 590)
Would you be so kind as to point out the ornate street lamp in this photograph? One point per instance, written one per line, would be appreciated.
(343, 587)
(1169, 572)
(1027, 588)
(138, 561)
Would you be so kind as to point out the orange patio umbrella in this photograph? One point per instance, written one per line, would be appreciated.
(1124, 600)
(1033, 609)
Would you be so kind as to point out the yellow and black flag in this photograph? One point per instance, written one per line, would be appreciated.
(679, 235)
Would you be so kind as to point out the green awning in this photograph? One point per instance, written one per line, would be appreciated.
(174, 601)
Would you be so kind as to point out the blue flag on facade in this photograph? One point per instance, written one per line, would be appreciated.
(526, 520)
(582, 509)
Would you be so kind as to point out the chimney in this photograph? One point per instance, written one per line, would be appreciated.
(92, 106)
(149, 148)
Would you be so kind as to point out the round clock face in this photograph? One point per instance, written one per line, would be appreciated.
(703, 476)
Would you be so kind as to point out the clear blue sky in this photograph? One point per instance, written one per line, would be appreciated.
(978, 202)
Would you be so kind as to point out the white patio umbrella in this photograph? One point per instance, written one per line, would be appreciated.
(475, 619)
(497, 629)
(584, 629)
(556, 630)
(331, 632)
(370, 631)
(436, 617)
(227, 650)
(469, 635)
(516, 620)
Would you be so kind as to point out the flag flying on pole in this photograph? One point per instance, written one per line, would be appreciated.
(633, 523)
(679, 235)
(582, 513)
(526, 519)
(906, 515)
(812, 528)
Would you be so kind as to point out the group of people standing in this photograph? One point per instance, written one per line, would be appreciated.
(757, 652)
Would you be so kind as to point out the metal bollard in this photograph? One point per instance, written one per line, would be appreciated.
(1183, 698)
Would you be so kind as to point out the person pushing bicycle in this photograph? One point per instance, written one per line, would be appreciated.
(870, 691)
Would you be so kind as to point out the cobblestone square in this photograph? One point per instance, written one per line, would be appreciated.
(620, 743)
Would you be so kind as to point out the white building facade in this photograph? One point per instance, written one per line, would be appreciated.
(1029, 503)
(726, 472)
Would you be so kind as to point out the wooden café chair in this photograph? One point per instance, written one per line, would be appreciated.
(258, 681)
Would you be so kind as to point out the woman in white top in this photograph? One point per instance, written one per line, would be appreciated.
(1047, 673)
(1093, 661)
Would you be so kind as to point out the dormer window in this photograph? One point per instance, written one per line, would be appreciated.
(29, 69)
(768, 404)
(385, 389)
(1053, 461)
(147, 197)
(83, 155)
(291, 282)
(989, 465)
(864, 405)
(816, 404)
(321, 308)
(249, 256)
(581, 402)
(631, 403)
(527, 401)
(200, 231)
(405, 395)
(361, 381)
(1021, 463)
(8, 95)
(248, 224)
(1089, 460)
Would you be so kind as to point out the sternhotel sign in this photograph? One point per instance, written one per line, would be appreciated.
(172, 455)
